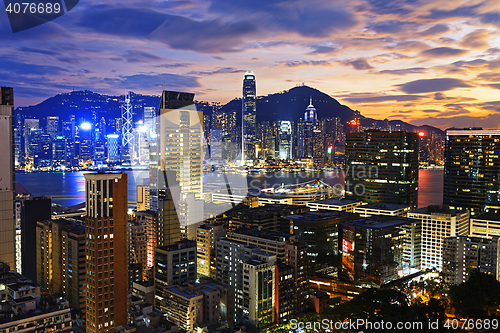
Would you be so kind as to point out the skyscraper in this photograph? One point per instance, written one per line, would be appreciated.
(285, 140)
(106, 251)
(7, 221)
(382, 167)
(249, 128)
(471, 179)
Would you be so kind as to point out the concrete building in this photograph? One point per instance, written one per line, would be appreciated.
(382, 209)
(438, 223)
(106, 251)
(486, 224)
(463, 255)
(145, 290)
(60, 249)
(150, 221)
(341, 205)
(206, 236)
(142, 198)
(7, 176)
(137, 245)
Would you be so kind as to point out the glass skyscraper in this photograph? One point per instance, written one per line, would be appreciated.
(382, 167)
(249, 116)
(472, 169)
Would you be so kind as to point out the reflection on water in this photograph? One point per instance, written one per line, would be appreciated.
(68, 188)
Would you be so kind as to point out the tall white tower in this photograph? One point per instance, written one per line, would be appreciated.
(127, 135)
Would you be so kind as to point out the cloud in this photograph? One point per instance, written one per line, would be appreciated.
(321, 49)
(462, 11)
(140, 56)
(152, 81)
(359, 64)
(409, 46)
(376, 99)
(439, 96)
(432, 85)
(383, 7)
(304, 63)
(209, 36)
(476, 39)
(174, 65)
(437, 29)
(494, 85)
(442, 52)
(492, 77)
(404, 71)
(223, 70)
(431, 111)
(489, 121)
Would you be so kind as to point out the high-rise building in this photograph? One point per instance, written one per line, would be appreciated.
(127, 136)
(372, 250)
(382, 167)
(285, 140)
(142, 198)
(106, 251)
(216, 144)
(7, 175)
(206, 236)
(438, 223)
(309, 126)
(113, 148)
(485, 224)
(137, 245)
(52, 127)
(471, 170)
(463, 254)
(60, 249)
(150, 219)
(249, 116)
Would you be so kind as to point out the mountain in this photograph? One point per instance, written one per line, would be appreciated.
(285, 105)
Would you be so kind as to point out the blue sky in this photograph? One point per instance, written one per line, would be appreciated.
(432, 62)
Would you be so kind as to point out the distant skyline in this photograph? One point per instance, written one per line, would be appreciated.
(424, 62)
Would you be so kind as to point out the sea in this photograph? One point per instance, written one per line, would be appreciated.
(68, 188)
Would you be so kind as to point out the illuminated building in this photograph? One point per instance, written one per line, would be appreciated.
(216, 144)
(438, 223)
(249, 115)
(260, 284)
(7, 175)
(285, 140)
(127, 136)
(341, 205)
(142, 198)
(319, 230)
(137, 245)
(372, 250)
(106, 251)
(52, 127)
(151, 229)
(471, 178)
(206, 236)
(382, 167)
(486, 224)
(381, 209)
(113, 148)
(463, 255)
(61, 244)
(286, 299)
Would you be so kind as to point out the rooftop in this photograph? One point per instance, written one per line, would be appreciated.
(180, 245)
(378, 222)
(320, 216)
(383, 206)
(261, 233)
(488, 216)
(336, 202)
(434, 209)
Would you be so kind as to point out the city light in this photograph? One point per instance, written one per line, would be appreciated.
(421, 134)
(354, 122)
(85, 126)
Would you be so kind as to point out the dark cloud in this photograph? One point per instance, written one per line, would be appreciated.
(224, 70)
(359, 64)
(464, 11)
(489, 121)
(152, 81)
(321, 49)
(431, 111)
(176, 31)
(435, 30)
(391, 26)
(491, 18)
(492, 77)
(404, 71)
(432, 85)
(439, 96)
(289, 16)
(375, 99)
(140, 56)
(442, 52)
(408, 46)
(390, 6)
(18, 68)
(494, 85)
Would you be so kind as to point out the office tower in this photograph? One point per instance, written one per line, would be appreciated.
(463, 255)
(372, 250)
(137, 245)
(149, 117)
(230, 256)
(60, 247)
(260, 284)
(52, 127)
(142, 140)
(206, 236)
(471, 170)
(106, 251)
(286, 299)
(142, 198)
(308, 131)
(29, 124)
(113, 148)
(438, 223)
(216, 144)
(382, 167)
(150, 219)
(33, 209)
(319, 230)
(485, 224)
(7, 175)
(169, 226)
(381, 209)
(285, 140)
(127, 137)
(249, 116)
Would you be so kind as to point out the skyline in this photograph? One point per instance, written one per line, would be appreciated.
(424, 63)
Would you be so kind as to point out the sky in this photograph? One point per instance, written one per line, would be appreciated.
(426, 62)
